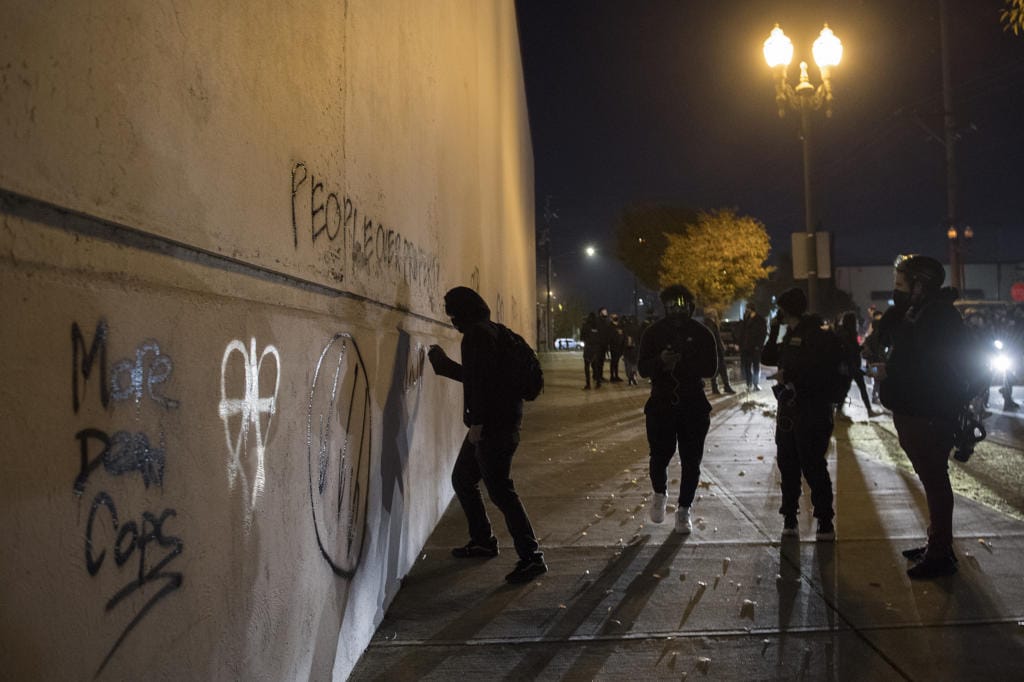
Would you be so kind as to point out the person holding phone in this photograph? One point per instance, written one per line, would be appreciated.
(676, 353)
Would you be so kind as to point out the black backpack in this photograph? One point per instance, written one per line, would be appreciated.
(522, 370)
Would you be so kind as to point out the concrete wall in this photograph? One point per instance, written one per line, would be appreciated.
(225, 232)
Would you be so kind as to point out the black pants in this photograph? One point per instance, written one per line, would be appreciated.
(597, 366)
(750, 363)
(927, 442)
(858, 377)
(723, 374)
(667, 428)
(801, 437)
(491, 461)
(613, 368)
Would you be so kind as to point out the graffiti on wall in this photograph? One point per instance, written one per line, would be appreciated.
(339, 442)
(141, 540)
(347, 238)
(247, 418)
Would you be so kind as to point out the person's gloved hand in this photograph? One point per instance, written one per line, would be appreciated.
(436, 355)
(669, 359)
(475, 434)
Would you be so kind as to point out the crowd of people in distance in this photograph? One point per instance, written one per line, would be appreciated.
(611, 338)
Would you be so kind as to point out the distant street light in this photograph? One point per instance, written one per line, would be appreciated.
(590, 251)
(958, 243)
(805, 98)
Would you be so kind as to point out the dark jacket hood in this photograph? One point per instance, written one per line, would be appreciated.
(465, 306)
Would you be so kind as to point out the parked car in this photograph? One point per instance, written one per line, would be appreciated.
(567, 344)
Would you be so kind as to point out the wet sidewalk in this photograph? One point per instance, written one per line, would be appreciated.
(625, 599)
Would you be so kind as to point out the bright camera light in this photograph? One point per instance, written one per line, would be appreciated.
(998, 344)
(1002, 363)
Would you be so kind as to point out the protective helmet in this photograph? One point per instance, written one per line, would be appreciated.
(680, 295)
(922, 269)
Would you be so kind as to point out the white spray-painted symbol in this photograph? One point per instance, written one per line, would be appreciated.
(250, 407)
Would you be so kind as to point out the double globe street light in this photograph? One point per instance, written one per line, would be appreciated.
(805, 98)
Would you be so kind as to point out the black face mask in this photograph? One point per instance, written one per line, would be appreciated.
(901, 299)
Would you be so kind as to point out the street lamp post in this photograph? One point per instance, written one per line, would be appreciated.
(805, 98)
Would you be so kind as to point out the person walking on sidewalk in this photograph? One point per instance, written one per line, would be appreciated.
(925, 380)
(616, 346)
(676, 353)
(752, 332)
(604, 339)
(852, 351)
(591, 337)
(711, 321)
(494, 417)
(804, 418)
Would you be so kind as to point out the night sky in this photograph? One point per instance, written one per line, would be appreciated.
(671, 101)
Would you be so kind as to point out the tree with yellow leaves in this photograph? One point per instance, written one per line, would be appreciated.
(1012, 16)
(720, 257)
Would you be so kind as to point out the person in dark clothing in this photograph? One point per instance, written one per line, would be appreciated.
(604, 338)
(494, 418)
(590, 335)
(631, 351)
(752, 331)
(925, 380)
(804, 418)
(676, 353)
(616, 346)
(711, 321)
(852, 352)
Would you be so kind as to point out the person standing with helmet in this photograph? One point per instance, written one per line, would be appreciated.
(925, 380)
(676, 354)
(804, 418)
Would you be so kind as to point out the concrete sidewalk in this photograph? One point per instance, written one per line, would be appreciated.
(627, 599)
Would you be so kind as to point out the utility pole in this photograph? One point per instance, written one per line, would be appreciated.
(955, 266)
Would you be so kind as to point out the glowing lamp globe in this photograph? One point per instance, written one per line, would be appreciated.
(778, 48)
(827, 49)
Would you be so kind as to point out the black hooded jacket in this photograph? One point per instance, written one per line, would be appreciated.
(803, 356)
(929, 362)
(484, 400)
(682, 388)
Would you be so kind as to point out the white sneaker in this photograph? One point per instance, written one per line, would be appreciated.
(658, 504)
(683, 524)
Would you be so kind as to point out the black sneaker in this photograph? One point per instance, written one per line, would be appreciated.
(826, 531)
(790, 527)
(473, 550)
(526, 570)
(915, 553)
(932, 568)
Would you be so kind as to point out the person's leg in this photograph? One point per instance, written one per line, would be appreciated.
(586, 370)
(692, 431)
(756, 370)
(927, 443)
(813, 436)
(746, 362)
(465, 479)
(495, 461)
(858, 376)
(661, 439)
(788, 461)
(723, 372)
